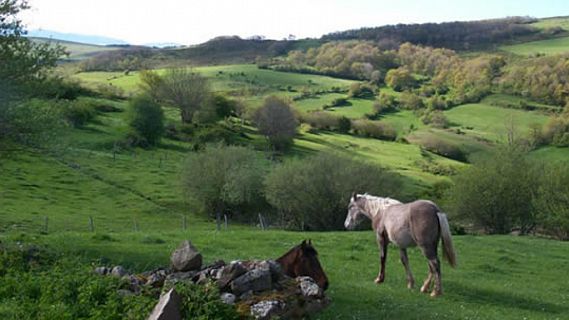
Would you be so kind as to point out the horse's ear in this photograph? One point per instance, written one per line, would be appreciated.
(310, 242)
(354, 195)
(303, 244)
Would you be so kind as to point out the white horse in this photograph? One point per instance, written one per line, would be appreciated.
(419, 223)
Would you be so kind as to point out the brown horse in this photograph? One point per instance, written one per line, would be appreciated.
(419, 223)
(302, 260)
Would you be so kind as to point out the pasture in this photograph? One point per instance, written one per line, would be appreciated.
(548, 47)
(77, 51)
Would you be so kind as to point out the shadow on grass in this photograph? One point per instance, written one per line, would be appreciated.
(502, 299)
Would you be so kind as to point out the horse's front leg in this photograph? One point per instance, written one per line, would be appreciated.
(382, 244)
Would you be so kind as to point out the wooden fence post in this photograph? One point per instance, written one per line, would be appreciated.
(261, 222)
(91, 224)
(225, 216)
(45, 225)
(184, 223)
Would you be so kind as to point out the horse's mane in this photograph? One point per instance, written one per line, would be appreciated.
(308, 248)
(375, 204)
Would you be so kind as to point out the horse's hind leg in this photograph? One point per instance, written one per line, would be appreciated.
(427, 284)
(405, 261)
(435, 265)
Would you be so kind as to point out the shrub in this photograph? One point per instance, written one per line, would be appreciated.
(385, 103)
(496, 193)
(204, 134)
(552, 200)
(359, 90)
(338, 102)
(436, 102)
(146, 119)
(400, 79)
(224, 178)
(321, 120)
(277, 122)
(436, 119)
(344, 124)
(556, 130)
(78, 113)
(203, 302)
(410, 101)
(313, 193)
(374, 129)
(443, 148)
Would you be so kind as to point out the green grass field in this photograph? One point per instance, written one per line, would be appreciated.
(549, 47)
(562, 22)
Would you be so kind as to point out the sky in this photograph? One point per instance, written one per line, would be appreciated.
(190, 22)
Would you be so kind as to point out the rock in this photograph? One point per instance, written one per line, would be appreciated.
(176, 277)
(186, 258)
(156, 278)
(119, 272)
(134, 283)
(228, 298)
(168, 308)
(230, 273)
(102, 270)
(308, 287)
(256, 280)
(267, 309)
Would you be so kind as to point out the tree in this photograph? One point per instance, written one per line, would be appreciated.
(410, 101)
(146, 118)
(22, 60)
(313, 193)
(224, 178)
(385, 103)
(552, 200)
(183, 88)
(277, 122)
(400, 79)
(496, 193)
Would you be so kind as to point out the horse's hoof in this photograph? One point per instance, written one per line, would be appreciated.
(436, 294)
(378, 280)
(410, 285)
(425, 289)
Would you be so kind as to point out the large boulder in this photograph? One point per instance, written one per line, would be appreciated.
(186, 258)
(230, 272)
(255, 280)
(168, 308)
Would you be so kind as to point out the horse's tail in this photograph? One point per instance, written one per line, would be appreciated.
(448, 250)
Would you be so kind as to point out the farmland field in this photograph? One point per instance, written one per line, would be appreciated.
(550, 46)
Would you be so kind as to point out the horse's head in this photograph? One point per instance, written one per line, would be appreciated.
(354, 212)
(302, 260)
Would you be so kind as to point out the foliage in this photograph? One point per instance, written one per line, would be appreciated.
(552, 200)
(359, 90)
(202, 302)
(410, 101)
(183, 88)
(78, 113)
(454, 35)
(22, 59)
(33, 122)
(224, 178)
(385, 103)
(322, 120)
(312, 194)
(344, 124)
(277, 122)
(146, 119)
(436, 118)
(496, 193)
(444, 148)
(400, 79)
(556, 130)
(374, 129)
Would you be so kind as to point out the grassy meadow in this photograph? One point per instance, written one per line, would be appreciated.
(548, 47)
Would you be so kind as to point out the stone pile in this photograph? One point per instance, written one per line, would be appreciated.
(257, 288)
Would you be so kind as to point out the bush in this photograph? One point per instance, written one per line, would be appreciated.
(224, 178)
(34, 122)
(338, 102)
(321, 120)
(436, 102)
(556, 130)
(385, 103)
(277, 122)
(344, 124)
(410, 101)
(359, 90)
(443, 148)
(400, 79)
(552, 200)
(313, 193)
(77, 113)
(374, 129)
(203, 302)
(496, 193)
(146, 119)
(435, 118)
(205, 134)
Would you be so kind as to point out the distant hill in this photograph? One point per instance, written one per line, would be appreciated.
(78, 51)
(75, 37)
